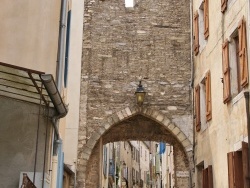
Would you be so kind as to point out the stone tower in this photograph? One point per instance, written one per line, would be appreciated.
(150, 41)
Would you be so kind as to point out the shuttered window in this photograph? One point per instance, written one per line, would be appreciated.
(226, 73)
(206, 18)
(208, 96)
(223, 5)
(238, 168)
(243, 53)
(197, 108)
(196, 33)
(207, 177)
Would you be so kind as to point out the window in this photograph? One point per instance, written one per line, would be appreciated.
(235, 65)
(226, 73)
(197, 108)
(196, 33)
(238, 167)
(129, 3)
(208, 96)
(206, 18)
(203, 102)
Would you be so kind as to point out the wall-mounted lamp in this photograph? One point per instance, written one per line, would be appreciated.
(140, 94)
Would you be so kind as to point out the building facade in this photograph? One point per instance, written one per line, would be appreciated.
(37, 71)
(221, 54)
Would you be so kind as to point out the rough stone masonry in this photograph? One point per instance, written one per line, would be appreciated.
(150, 41)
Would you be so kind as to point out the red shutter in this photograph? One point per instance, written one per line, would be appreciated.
(205, 178)
(238, 168)
(208, 97)
(235, 169)
(196, 33)
(206, 18)
(245, 164)
(243, 53)
(197, 108)
(210, 176)
(230, 170)
(226, 73)
(223, 5)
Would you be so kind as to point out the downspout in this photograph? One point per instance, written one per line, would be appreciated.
(59, 81)
(246, 95)
(191, 172)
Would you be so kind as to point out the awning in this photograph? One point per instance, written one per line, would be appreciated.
(27, 85)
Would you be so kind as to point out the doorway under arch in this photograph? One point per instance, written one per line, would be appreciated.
(135, 124)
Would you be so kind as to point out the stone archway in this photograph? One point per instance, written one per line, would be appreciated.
(165, 130)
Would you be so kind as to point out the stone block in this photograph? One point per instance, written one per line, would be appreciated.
(186, 143)
(120, 115)
(115, 118)
(171, 126)
(101, 130)
(154, 114)
(166, 121)
(128, 111)
(176, 131)
(160, 117)
(124, 113)
(181, 136)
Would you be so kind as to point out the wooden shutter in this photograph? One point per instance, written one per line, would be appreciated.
(235, 169)
(197, 108)
(196, 33)
(223, 5)
(205, 178)
(245, 165)
(208, 97)
(226, 73)
(230, 170)
(238, 175)
(243, 53)
(206, 18)
(210, 176)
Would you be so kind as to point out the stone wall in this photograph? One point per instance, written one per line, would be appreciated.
(120, 45)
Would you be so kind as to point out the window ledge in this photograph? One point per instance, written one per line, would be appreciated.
(238, 97)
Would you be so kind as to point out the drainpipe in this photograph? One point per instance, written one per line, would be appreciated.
(61, 45)
(59, 81)
(191, 172)
(246, 95)
(60, 164)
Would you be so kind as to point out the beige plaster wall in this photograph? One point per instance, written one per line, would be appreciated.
(29, 33)
(228, 125)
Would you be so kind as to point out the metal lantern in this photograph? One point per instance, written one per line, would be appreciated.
(140, 94)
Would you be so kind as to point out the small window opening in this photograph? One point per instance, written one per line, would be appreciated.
(129, 3)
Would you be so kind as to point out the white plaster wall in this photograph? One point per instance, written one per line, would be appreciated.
(73, 86)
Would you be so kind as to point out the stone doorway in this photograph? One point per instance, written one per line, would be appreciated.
(135, 124)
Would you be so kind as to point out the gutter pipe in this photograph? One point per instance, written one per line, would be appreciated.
(59, 81)
(191, 171)
(246, 95)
